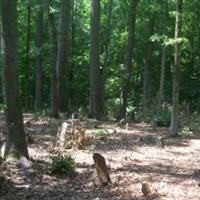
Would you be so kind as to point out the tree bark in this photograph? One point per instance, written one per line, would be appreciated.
(107, 32)
(26, 70)
(39, 68)
(128, 61)
(147, 65)
(106, 45)
(96, 98)
(1, 61)
(163, 59)
(53, 41)
(16, 141)
(173, 129)
(63, 55)
(72, 52)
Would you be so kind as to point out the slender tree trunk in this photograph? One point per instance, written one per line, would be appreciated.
(26, 71)
(39, 68)
(72, 48)
(53, 41)
(16, 142)
(107, 32)
(128, 61)
(1, 61)
(196, 41)
(106, 44)
(163, 59)
(63, 56)
(96, 98)
(147, 65)
(173, 129)
(145, 83)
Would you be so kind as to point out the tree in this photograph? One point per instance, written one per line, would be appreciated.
(53, 41)
(163, 59)
(173, 129)
(63, 55)
(1, 59)
(107, 35)
(96, 98)
(16, 140)
(26, 70)
(147, 64)
(128, 61)
(72, 51)
(39, 67)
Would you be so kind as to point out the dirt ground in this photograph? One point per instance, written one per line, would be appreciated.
(133, 158)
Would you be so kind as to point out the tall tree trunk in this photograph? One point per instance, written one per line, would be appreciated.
(163, 59)
(1, 61)
(63, 55)
(196, 41)
(173, 129)
(107, 32)
(53, 40)
(147, 65)
(39, 68)
(16, 141)
(96, 98)
(26, 71)
(106, 44)
(128, 61)
(72, 51)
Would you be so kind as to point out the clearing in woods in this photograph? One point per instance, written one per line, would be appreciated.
(133, 157)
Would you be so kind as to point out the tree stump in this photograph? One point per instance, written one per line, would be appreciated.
(62, 134)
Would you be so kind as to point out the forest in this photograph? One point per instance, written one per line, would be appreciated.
(99, 99)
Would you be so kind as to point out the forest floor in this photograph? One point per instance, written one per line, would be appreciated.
(133, 158)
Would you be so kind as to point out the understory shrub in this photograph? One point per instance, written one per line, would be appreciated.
(161, 119)
(62, 166)
(102, 133)
(3, 185)
(186, 132)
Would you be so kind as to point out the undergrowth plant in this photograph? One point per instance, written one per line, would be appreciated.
(102, 133)
(3, 185)
(186, 132)
(190, 125)
(62, 166)
(161, 119)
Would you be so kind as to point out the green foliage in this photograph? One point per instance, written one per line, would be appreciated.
(82, 113)
(158, 119)
(102, 133)
(181, 40)
(195, 126)
(162, 119)
(155, 37)
(2, 106)
(3, 185)
(62, 166)
(186, 132)
(79, 55)
(190, 125)
(2, 179)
